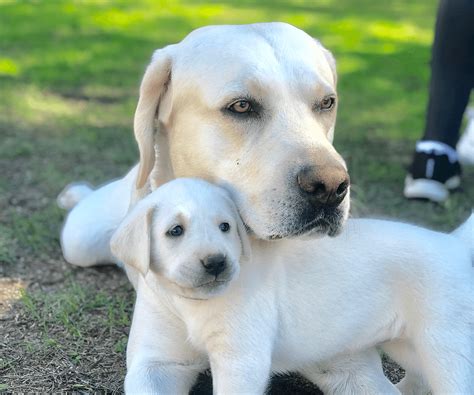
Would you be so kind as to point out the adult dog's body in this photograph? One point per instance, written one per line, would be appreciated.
(250, 108)
(295, 307)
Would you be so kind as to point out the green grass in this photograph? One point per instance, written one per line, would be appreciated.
(72, 308)
(69, 339)
(69, 76)
(69, 73)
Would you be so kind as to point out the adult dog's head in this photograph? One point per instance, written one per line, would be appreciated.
(251, 108)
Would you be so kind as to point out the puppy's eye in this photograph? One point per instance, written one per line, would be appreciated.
(327, 103)
(176, 231)
(224, 226)
(241, 106)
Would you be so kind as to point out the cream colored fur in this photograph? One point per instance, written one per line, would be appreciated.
(319, 308)
(184, 128)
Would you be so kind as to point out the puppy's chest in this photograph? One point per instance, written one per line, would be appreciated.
(202, 324)
(230, 323)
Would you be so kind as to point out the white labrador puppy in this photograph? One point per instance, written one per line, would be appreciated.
(315, 307)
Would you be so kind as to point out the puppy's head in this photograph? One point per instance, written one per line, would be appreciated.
(188, 234)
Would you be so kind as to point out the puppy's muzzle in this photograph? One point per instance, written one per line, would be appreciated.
(214, 264)
(324, 187)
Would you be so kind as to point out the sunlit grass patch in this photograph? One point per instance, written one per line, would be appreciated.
(400, 32)
(11, 290)
(9, 67)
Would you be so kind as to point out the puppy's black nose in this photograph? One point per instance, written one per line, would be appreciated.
(214, 264)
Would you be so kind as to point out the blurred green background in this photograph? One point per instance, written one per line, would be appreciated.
(69, 74)
(69, 77)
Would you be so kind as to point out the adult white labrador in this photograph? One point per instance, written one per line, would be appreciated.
(251, 108)
(294, 306)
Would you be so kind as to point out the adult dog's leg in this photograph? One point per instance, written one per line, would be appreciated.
(86, 233)
(446, 356)
(359, 373)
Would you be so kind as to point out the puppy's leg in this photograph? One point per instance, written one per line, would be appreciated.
(240, 372)
(240, 357)
(86, 233)
(404, 354)
(160, 360)
(150, 376)
(359, 373)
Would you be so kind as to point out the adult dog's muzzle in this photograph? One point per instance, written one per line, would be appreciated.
(324, 187)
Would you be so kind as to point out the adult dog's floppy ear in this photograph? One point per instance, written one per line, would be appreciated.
(152, 88)
(332, 65)
(131, 241)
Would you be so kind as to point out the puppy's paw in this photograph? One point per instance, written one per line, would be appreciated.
(73, 194)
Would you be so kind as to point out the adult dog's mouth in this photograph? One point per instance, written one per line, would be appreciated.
(327, 222)
(319, 225)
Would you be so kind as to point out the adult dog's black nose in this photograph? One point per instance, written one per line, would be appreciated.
(327, 185)
(214, 264)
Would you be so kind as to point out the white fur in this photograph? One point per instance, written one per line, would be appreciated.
(183, 130)
(85, 237)
(73, 194)
(317, 307)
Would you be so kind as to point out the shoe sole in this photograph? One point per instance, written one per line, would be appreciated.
(435, 191)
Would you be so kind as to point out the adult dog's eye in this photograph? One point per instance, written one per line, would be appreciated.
(224, 226)
(241, 106)
(327, 103)
(176, 231)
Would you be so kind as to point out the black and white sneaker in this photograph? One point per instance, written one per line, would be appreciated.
(435, 171)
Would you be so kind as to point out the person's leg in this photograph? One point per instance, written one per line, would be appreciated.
(435, 168)
(452, 70)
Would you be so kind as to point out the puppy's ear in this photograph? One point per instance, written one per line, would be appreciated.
(330, 59)
(246, 253)
(152, 89)
(244, 240)
(242, 232)
(131, 241)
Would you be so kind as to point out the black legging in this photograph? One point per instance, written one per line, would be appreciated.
(452, 70)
